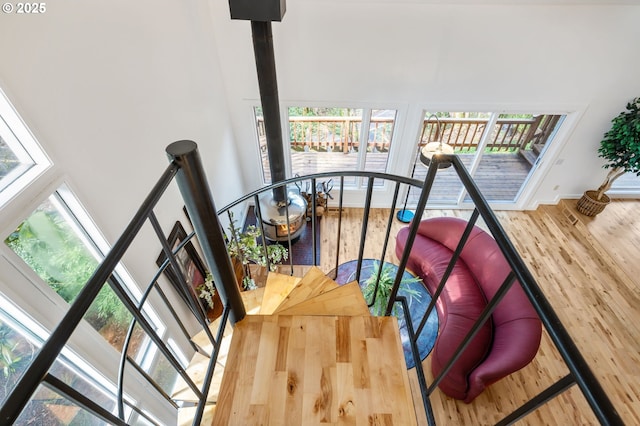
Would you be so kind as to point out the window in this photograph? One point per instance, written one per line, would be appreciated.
(21, 158)
(628, 183)
(262, 144)
(20, 340)
(60, 243)
(381, 126)
(500, 151)
(52, 243)
(334, 139)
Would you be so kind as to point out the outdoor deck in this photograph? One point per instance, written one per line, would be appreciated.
(499, 175)
(326, 143)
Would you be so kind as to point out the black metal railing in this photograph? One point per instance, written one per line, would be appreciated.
(187, 169)
(579, 371)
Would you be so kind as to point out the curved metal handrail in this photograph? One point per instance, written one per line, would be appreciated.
(316, 176)
(580, 372)
(184, 166)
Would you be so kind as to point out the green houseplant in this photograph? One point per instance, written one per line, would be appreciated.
(385, 285)
(620, 147)
(245, 248)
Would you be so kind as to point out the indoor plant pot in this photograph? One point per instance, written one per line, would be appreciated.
(590, 205)
(621, 148)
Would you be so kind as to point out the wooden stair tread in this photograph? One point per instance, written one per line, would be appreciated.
(277, 288)
(312, 284)
(186, 415)
(197, 367)
(197, 370)
(343, 300)
(251, 299)
(315, 369)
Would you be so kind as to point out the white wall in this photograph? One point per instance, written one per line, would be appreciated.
(107, 85)
(424, 54)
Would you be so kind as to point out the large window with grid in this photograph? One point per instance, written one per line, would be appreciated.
(46, 257)
(331, 139)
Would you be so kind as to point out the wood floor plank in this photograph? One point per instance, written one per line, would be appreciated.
(304, 381)
(589, 271)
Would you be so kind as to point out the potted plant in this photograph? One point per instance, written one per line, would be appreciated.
(246, 248)
(621, 148)
(385, 285)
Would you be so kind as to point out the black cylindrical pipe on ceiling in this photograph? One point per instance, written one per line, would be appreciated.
(266, 67)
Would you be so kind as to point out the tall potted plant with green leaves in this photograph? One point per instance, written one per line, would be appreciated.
(620, 147)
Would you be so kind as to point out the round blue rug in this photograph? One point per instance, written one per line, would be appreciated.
(417, 296)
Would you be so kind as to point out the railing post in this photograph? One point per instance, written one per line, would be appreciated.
(532, 131)
(195, 190)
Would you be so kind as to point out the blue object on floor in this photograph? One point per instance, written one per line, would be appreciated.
(417, 305)
(405, 216)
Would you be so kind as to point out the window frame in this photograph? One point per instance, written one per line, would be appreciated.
(627, 186)
(32, 331)
(88, 345)
(24, 145)
(365, 130)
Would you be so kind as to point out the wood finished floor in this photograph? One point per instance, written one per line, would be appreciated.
(590, 273)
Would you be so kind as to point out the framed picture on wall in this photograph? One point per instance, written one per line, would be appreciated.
(191, 266)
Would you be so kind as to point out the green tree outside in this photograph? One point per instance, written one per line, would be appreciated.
(47, 243)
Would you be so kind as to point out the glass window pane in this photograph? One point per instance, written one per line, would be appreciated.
(324, 140)
(461, 130)
(164, 374)
(17, 353)
(14, 160)
(381, 127)
(21, 159)
(510, 149)
(47, 407)
(52, 244)
(18, 347)
(511, 152)
(8, 160)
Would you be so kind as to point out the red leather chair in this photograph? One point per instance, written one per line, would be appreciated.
(506, 343)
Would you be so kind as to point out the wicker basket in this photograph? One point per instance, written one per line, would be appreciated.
(589, 206)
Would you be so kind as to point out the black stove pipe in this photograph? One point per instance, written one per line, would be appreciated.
(266, 67)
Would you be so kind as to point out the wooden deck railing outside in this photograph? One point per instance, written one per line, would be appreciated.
(343, 134)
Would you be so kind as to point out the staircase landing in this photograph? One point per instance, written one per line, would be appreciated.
(308, 352)
(315, 369)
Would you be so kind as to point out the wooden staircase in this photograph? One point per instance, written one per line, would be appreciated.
(308, 352)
